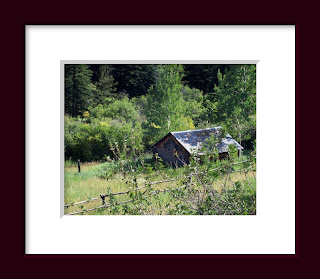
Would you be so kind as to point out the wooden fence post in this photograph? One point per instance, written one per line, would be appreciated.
(103, 199)
(79, 165)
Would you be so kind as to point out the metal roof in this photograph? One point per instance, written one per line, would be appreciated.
(192, 140)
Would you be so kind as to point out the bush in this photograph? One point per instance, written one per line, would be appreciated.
(91, 137)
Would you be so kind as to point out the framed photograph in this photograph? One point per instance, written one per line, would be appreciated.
(154, 139)
(56, 54)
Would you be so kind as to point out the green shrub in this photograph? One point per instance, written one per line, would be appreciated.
(91, 137)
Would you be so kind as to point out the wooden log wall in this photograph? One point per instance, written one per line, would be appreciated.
(169, 155)
(166, 149)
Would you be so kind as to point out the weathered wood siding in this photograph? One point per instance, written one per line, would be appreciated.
(168, 147)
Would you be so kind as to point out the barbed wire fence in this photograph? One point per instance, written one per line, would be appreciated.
(148, 187)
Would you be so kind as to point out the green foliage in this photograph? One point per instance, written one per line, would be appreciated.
(165, 104)
(109, 117)
(133, 80)
(210, 112)
(123, 110)
(193, 192)
(174, 101)
(198, 197)
(236, 101)
(203, 76)
(105, 86)
(78, 88)
(90, 138)
(193, 105)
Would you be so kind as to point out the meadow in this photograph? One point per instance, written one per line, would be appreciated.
(114, 114)
(98, 178)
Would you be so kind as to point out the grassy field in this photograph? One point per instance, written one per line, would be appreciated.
(98, 177)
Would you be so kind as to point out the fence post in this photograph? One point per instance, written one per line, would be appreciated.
(103, 199)
(79, 165)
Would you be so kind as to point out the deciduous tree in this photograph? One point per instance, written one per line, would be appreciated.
(165, 111)
(236, 100)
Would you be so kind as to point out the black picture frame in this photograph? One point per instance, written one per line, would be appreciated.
(305, 259)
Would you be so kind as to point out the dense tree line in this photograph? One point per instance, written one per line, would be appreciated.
(88, 85)
(109, 106)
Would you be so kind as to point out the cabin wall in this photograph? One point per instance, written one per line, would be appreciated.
(169, 156)
(167, 148)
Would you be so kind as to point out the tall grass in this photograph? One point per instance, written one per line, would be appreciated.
(98, 177)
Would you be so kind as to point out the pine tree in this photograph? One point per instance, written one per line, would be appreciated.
(78, 88)
(133, 80)
(104, 84)
(202, 76)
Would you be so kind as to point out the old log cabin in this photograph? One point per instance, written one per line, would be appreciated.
(183, 143)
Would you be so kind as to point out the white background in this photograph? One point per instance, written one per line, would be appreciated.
(271, 231)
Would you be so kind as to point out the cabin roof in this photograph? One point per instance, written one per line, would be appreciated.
(192, 140)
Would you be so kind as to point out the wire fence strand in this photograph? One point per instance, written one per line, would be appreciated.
(102, 196)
